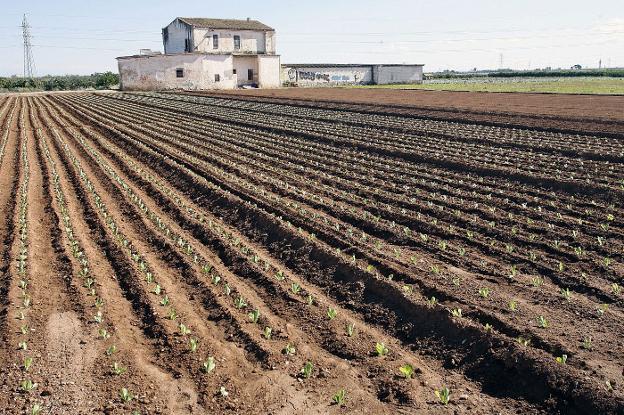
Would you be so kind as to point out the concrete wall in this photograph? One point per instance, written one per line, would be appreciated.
(328, 75)
(269, 71)
(159, 72)
(397, 74)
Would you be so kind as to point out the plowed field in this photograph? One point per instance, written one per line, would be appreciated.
(170, 253)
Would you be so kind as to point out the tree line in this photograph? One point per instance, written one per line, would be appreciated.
(105, 80)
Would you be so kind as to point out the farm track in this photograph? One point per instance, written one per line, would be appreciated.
(179, 228)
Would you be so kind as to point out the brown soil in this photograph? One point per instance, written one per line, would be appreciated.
(568, 112)
(144, 233)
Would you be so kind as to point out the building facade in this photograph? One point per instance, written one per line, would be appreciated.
(315, 75)
(205, 53)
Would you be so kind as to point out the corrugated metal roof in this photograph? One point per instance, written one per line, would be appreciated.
(231, 24)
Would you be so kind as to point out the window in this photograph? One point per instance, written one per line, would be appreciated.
(250, 74)
(187, 45)
(215, 41)
(233, 71)
(179, 73)
(236, 42)
(217, 77)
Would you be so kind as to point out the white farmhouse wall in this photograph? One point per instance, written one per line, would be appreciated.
(398, 74)
(269, 71)
(251, 41)
(242, 64)
(159, 72)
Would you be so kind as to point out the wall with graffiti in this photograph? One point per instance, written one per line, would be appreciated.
(343, 74)
(326, 75)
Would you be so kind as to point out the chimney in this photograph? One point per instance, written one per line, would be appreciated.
(248, 19)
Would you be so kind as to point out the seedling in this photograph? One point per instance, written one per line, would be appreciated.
(513, 305)
(27, 385)
(443, 395)
(602, 309)
(310, 299)
(111, 350)
(226, 289)
(542, 322)
(193, 344)
(23, 345)
(118, 369)
(537, 281)
(103, 333)
(209, 365)
(616, 288)
(157, 289)
(307, 369)
(36, 409)
(172, 314)
(24, 329)
(240, 302)
(432, 301)
(223, 392)
(566, 294)
(216, 279)
(27, 363)
(296, 288)
(165, 301)
(484, 292)
(381, 349)
(279, 275)
(587, 343)
(407, 370)
(339, 397)
(125, 395)
(350, 329)
(254, 316)
(456, 312)
(267, 333)
(331, 313)
(562, 359)
(289, 350)
(523, 341)
(488, 327)
(184, 330)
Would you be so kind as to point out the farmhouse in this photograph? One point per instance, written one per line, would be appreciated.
(203, 53)
(206, 54)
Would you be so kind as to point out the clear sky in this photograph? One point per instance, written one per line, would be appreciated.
(80, 36)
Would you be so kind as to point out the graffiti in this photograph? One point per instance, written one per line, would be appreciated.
(292, 74)
(340, 78)
(313, 76)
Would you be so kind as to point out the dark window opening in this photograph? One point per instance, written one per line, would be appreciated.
(250, 74)
(187, 45)
(236, 42)
(217, 77)
(233, 71)
(179, 73)
(215, 41)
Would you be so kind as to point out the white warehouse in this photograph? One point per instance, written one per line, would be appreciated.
(206, 54)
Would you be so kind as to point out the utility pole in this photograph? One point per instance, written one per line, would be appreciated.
(29, 63)
(501, 61)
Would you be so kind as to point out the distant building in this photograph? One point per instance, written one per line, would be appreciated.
(205, 53)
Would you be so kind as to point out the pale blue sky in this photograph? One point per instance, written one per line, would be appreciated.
(79, 36)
